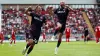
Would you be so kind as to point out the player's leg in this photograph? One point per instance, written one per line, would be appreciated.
(14, 41)
(87, 38)
(84, 38)
(2, 40)
(68, 39)
(60, 37)
(28, 46)
(45, 38)
(59, 42)
(57, 30)
(11, 41)
(55, 33)
(97, 39)
(32, 44)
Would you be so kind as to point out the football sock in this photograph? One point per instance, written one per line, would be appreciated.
(14, 42)
(59, 42)
(30, 49)
(28, 44)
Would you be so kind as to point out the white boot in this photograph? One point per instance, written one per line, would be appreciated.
(26, 55)
(56, 50)
(24, 51)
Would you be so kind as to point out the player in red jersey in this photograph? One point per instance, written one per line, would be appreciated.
(97, 33)
(13, 37)
(1, 37)
(67, 32)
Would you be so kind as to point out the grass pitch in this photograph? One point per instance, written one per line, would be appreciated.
(47, 49)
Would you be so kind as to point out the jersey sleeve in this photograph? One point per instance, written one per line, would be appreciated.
(55, 11)
(44, 19)
(67, 11)
(32, 14)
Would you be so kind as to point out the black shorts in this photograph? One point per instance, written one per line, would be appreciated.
(27, 35)
(85, 35)
(63, 27)
(34, 34)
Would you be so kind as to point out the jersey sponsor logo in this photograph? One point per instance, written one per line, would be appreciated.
(67, 30)
(38, 19)
(61, 12)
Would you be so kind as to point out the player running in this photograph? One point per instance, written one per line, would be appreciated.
(1, 37)
(37, 21)
(68, 33)
(13, 37)
(86, 34)
(62, 14)
(97, 33)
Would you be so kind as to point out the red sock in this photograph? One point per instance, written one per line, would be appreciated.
(59, 39)
(68, 39)
(97, 39)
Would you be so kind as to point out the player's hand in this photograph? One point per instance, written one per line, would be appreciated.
(30, 8)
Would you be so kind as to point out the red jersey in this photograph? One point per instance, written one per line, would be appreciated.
(97, 30)
(13, 33)
(67, 32)
(1, 35)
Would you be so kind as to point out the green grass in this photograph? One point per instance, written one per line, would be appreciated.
(47, 49)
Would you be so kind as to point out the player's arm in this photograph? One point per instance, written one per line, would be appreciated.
(29, 19)
(69, 7)
(45, 21)
(27, 11)
(29, 14)
(54, 13)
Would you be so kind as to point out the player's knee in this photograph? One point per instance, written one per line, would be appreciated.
(59, 25)
(31, 41)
